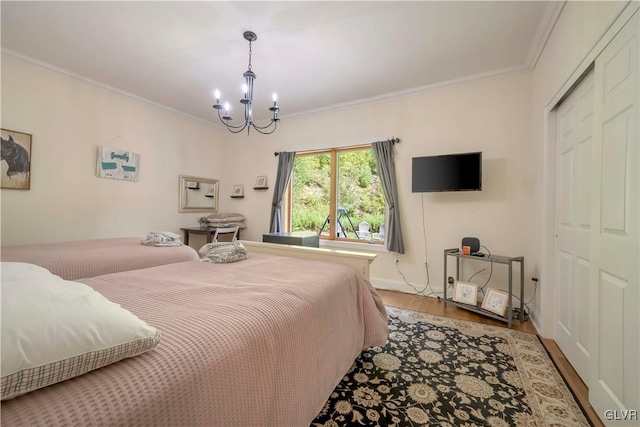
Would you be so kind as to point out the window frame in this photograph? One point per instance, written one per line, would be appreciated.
(333, 182)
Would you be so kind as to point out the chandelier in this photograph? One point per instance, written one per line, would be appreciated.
(247, 100)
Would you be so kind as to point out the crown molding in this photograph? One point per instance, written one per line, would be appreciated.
(65, 72)
(551, 15)
(448, 84)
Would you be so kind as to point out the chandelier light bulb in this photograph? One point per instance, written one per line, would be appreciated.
(226, 107)
(216, 94)
(245, 89)
(274, 97)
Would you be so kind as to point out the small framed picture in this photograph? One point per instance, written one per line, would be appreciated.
(16, 160)
(261, 181)
(495, 301)
(466, 293)
(238, 190)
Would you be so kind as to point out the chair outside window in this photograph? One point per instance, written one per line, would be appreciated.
(363, 230)
(226, 230)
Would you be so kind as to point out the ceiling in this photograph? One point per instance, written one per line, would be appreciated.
(315, 55)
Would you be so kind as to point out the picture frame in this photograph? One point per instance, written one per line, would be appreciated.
(465, 293)
(238, 191)
(261, 181)
(114, 163)
(16, 160)
(202, 197)
(495, 301)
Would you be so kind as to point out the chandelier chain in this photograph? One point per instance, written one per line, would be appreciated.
(250, 51)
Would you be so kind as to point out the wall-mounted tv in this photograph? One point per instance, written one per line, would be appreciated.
(452, 172)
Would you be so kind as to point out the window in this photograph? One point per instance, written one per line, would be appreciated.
(344, 182)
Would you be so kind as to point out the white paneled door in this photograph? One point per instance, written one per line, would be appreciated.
(573, 223)
(598, 229)
(614, 382)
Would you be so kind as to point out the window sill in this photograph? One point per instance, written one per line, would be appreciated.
(353, 246)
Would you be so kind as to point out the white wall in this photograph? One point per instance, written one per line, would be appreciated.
(490, 116)
(69, 119)
(581, 26)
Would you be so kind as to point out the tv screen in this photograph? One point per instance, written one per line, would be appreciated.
(453, 172)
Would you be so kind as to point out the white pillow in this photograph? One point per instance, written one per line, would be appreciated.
(54, 329)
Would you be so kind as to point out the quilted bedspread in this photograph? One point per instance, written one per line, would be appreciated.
(261, 342)
(89, 258)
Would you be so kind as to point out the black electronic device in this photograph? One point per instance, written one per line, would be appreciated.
(452, 172)
(473, 243)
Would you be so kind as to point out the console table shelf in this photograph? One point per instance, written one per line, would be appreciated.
(493, 259)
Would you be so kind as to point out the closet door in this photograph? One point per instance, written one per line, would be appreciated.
(614, 374)
(573, 223)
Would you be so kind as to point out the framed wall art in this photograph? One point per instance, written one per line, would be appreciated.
(117, 164)
(16, 160)
(466, 293)
(238, 191)
(261, 182)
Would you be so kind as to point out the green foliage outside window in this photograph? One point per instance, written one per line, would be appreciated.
(359, 191)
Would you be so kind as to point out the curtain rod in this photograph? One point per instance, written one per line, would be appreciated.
(393, 140)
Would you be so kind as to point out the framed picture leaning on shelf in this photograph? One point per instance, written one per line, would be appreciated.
(261, 181)
(466, 293)
(495, 301)
(238, 190)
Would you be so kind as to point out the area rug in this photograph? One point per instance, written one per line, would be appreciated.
(437, 371)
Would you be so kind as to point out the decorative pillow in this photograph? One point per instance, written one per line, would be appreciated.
(222, 252)
(161, 238)
(54, 329)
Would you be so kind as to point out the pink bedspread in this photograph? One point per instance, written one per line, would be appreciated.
(261, 342)
(90, 258)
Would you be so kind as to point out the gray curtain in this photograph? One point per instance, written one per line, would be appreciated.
(383, 151)
(285, 167)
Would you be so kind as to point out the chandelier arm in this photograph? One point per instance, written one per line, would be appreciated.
(263, 127)
(239, 130)
(230, 126)
(275, 125)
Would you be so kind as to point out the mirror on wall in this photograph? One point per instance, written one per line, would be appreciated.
(198, 194)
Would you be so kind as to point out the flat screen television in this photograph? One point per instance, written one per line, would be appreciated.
(452, 172)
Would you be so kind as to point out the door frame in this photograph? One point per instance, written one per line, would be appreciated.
(546, 322)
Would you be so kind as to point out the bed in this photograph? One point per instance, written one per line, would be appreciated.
(260, 342)
(89, 258)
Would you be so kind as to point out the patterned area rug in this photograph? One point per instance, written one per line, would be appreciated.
(437, 371)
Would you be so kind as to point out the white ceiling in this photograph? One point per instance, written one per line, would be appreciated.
(315, 55)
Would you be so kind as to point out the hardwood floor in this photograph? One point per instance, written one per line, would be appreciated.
(438, 307)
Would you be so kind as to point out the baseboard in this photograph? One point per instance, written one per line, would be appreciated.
(397, 285)
(534, 321)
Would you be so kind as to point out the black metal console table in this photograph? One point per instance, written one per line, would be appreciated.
(497, 259)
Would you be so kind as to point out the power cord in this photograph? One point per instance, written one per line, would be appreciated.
(426, 264)
(533, 297)
(481, 288)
